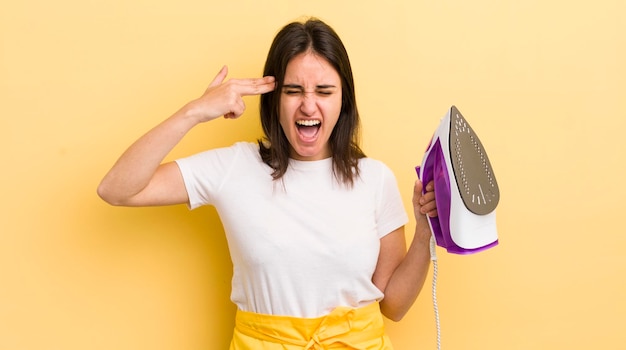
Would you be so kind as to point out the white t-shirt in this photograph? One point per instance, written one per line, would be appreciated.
(301, 245)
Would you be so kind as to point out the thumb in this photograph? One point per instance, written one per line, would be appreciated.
(219, 78)
(417, 191)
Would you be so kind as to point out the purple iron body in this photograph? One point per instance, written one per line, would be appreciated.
(466, 190)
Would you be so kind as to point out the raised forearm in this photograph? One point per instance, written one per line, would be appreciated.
(140, 166)
(137, 165)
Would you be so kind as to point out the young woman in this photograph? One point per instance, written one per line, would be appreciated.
(315, 228)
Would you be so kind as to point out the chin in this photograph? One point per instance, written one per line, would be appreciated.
(307, 153)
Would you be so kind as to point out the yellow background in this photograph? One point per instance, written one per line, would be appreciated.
(543, 83)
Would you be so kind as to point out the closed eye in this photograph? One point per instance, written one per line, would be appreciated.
(292, 92)
(324, 92)
(321, 90)
(292, 89)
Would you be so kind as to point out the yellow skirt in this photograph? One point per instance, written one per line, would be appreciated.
(343, 328)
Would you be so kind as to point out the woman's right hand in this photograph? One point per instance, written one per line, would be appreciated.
(225, 98)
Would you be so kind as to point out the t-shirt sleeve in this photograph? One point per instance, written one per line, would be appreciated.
(205, 172)
(390, 211)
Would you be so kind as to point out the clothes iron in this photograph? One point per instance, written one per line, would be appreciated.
(466, 191)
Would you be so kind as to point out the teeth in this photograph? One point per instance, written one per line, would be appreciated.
(308, 122)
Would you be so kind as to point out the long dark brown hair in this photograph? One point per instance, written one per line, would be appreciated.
(318, 37)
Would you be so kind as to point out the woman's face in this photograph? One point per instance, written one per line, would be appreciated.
(310, 105)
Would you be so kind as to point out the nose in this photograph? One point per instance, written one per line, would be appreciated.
(308, 104)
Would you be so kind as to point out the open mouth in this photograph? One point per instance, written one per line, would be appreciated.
(308, 128)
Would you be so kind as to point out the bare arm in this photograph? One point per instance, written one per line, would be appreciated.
(400, 274)
(139, 178)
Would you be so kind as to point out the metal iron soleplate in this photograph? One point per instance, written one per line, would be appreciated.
(473, 173)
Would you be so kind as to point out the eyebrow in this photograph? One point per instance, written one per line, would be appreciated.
(296, 86)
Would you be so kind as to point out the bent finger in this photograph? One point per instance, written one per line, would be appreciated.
(430, 186)
(427, 197)
(433, 213)
(236, 111)
(428, 208)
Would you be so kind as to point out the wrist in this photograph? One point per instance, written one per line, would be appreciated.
(422, 230)
(188, 116)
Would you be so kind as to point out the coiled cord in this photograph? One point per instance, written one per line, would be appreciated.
(433, 257)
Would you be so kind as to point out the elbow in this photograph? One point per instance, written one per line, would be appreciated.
(104, 195)
(395, 314)
(395, 317)
(108, 196)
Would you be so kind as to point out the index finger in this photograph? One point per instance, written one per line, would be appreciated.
(258, 86)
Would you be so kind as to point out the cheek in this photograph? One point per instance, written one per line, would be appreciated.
(287, 107)
(285, 115)
(332, 111)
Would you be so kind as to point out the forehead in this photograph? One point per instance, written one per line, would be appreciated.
(311, 69)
